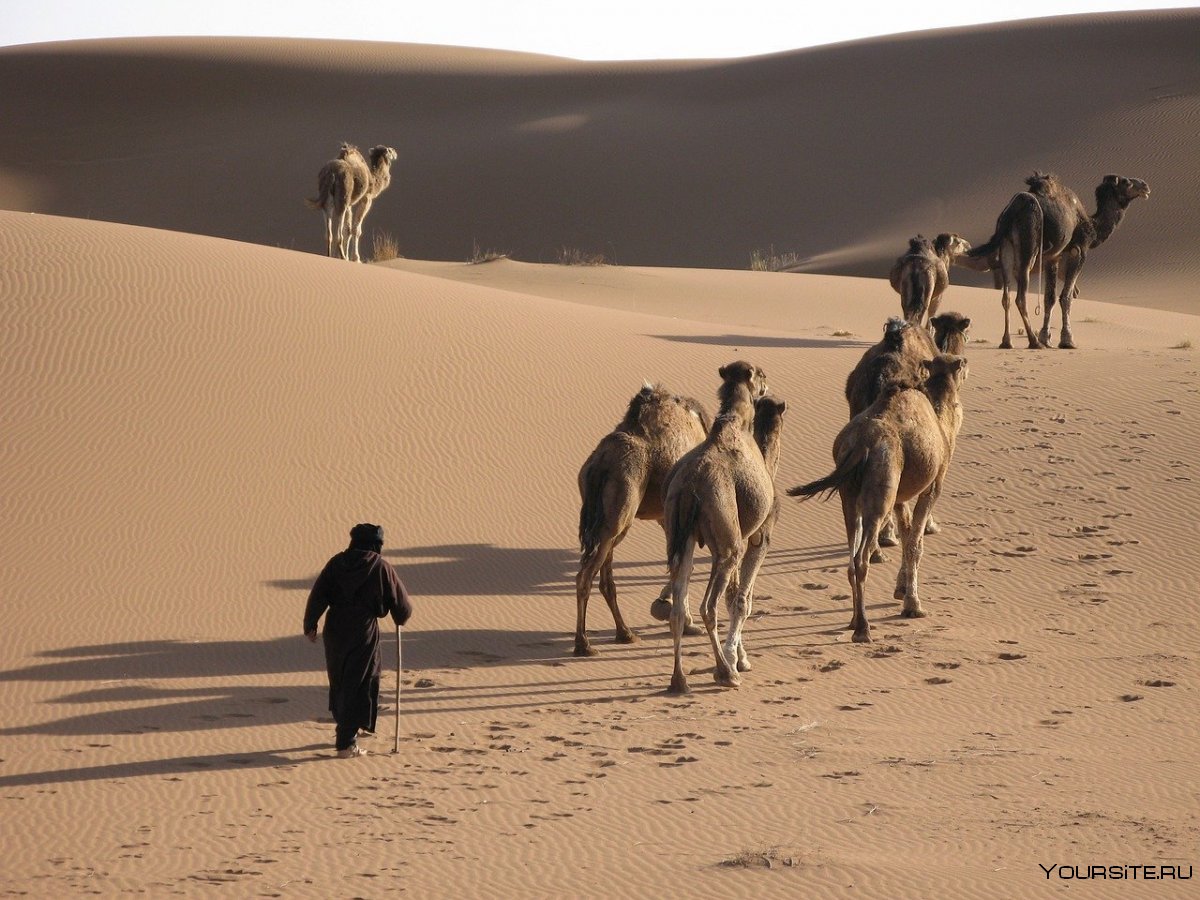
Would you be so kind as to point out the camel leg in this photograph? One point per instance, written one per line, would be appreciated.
(328, 230)
(343, 231)
(1071, 270)
(724, 570)
(681, 575)
(608, 588)
(660, 608)
(1004, 274)
(1006, 341)
(743, 601)
(912, 549)
(583, 589)
(1022, 288)
(1049, 276)
(859, 536)
(364, 208)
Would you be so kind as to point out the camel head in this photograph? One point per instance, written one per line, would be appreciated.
(768, 424)
(943, 371)
(1123, 190)
(381, 153)
(951, 246)
(893, 333)
(742, 372)
(950, 332)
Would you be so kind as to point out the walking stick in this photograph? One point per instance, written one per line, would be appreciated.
(396, 743)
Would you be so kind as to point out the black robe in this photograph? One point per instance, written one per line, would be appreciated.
(357, 587)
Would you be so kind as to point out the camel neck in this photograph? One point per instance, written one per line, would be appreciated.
(735, 401)
(1106, 220)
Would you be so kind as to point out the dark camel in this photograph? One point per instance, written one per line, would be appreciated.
(622, 480)
(1048, 223)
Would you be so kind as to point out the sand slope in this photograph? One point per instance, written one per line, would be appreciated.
(836, 154)
(191, 425)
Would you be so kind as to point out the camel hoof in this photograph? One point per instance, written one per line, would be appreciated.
(744, 665)
(584, 649)
(861, 637)
(1006, 344)
(1044, 337)
(1036, 345)
(932, 527)
(917, 613)
(679, 686)
(691, 629)
(888, 540)
(1066, 345)
(626, 637)
(878, 556)
(661, 610)
(726, 678)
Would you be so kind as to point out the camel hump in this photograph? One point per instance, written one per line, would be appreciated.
(919, 244)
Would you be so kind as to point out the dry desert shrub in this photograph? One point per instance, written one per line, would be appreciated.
(573, 256)
(770, 261)
(479, 255)
(384, 246)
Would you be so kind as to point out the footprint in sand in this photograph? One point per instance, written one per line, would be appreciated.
(1010, 656)
(937, 680)
(1130, 698)
(1157, 682)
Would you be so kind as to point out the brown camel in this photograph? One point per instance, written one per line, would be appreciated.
(721, 495)
(622, 481)
(346, 188)
(1048, 223)
(896, 450)
(922, 274)
(900, 357)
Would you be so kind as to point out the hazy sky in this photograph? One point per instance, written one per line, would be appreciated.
(610, 29)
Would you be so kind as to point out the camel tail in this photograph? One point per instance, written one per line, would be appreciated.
(591, 511)
(847, 474)
(324, 189)
(681, 526)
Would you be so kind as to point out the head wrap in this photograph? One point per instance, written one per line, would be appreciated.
(366, 536)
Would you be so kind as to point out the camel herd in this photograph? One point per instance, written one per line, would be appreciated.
(712, 484)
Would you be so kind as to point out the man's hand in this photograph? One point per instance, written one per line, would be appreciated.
(311, 635)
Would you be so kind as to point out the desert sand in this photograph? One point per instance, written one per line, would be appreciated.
(197, 405)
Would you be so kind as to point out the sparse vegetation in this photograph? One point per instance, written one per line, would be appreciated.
(384, 246)
(572, 256)
(770, 261)
(765, 858)
(843, 334)
(1185, 344)
(479, 255)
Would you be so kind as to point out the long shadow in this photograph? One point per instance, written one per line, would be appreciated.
(474, 570)
(167, 767)
(745, 340)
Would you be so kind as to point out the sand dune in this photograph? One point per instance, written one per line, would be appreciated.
(192, 420)
(837, 154)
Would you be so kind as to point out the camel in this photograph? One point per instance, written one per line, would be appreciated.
(896, 450)
(1049, 223)
(346, 188)
(899, 357)
(922, 274)
(622, 480)
(722, 495)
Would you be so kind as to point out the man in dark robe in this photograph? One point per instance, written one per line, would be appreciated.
(358, 587)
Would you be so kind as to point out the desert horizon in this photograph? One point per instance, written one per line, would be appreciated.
(199, 405)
